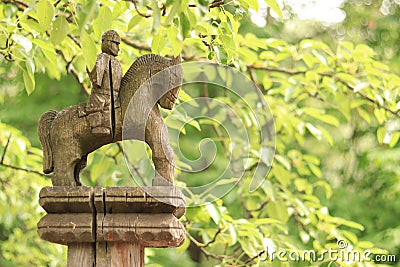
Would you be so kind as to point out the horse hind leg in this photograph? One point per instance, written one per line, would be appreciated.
(79, 166)
(67, 166)
(64, 174)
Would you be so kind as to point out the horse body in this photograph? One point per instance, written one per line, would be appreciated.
(67, 137)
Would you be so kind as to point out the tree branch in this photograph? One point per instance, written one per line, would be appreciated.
(325, 74)
(5, 149)
(16, 167)
(261, 207)
(135, 44)
(73, 38)
(137, 9)
(204, 251)
(351, 87)
(22, 169)
(71, 70)
(135, 168)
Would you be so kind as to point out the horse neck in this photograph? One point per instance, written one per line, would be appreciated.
(139, 72)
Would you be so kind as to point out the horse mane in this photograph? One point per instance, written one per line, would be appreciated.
(144, 61)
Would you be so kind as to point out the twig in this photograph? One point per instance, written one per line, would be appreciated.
(326, 74)
(20, 5)
(137, 9)
(22, 169)
(204, 251)
(5, 149)
(71, 70)
(15, 167)
(277, 69)
(246, 263)
(136, 169)
(216, 3)
(260, 207)
(73, 38)
(351, 87)
(135, 44)
(199, 244)
(210, 114)
(143, 47)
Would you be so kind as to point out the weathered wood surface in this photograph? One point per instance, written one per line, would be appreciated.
(111, 226)
(119, 254)
(153, 199)
(65, 199)
(69, 135)
(150, 230)
(81, 254)
(67, 228)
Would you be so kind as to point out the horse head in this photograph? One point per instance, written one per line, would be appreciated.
(175, 78)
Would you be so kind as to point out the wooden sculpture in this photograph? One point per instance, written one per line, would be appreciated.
(68, 136)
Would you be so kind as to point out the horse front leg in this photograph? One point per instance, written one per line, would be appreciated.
(162, 154)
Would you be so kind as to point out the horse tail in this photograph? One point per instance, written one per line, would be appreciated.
(45, 122)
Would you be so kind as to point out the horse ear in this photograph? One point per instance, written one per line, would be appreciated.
(177, 60)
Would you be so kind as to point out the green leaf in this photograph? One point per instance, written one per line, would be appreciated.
(275, 7)
(394, 139)
(233, 234)
(267, 221)
(381, 132)
(156, 16)
(380, 115)
(60, 30)
(214, 212)
(253, 4)
(314, 131)
(347, 223)
(134, 21)
(247, 55)
(173, 12)
(102, 22)
(326, 186)
(185, 25)
(158, 43)
(268, 189)
(45, 13)
(234, 22)
(176, 44)
(86, 14)
(360, 86)
(315, 170)
(89, 50)
(277, 210)
(22, 41)
(181, 249)
(364, 114)
(28, 76)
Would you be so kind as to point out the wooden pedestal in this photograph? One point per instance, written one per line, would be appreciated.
(111, 226)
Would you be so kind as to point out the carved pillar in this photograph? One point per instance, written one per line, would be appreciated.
(111, 226)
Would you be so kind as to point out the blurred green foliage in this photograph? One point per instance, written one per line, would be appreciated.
(335, 104)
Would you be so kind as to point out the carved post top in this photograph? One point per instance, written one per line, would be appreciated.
(151, 199)
(147, 215)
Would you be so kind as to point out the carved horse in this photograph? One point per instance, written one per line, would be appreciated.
(67, 139)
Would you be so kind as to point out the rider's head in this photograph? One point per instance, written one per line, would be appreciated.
(110, 42)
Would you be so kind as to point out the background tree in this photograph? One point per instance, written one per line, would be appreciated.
(335, 104)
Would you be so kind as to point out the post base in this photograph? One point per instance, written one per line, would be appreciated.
(111, 226)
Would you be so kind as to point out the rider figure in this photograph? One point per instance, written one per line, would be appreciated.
(106, 79)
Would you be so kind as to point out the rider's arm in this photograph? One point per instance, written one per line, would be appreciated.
(96, 75)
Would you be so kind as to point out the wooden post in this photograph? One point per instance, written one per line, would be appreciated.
(111, 226)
